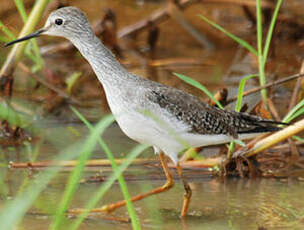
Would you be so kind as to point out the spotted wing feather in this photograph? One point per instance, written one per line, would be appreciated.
(205, 119)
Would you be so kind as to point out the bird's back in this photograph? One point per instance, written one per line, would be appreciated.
(203, 118)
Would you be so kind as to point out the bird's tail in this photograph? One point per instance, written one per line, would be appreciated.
(264, 126)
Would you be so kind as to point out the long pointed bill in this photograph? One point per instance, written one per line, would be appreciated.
(32, 35)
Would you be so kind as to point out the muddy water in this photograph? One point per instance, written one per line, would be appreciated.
(230, 204)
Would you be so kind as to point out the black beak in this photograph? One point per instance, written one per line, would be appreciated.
(32, 35)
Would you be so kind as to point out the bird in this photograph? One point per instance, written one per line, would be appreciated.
(166, 118)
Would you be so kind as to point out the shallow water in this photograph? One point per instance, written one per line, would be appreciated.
(230, 204)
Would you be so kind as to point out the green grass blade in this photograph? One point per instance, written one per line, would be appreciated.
(261, 59)
(28, 53)
(71, 80)
(296, 114)
(13, 117)
(36, 58)
(238, 107)
(271, 28)
(240, 142)
(76, 174)
(199, 86)
(297, 138)
(16, 208)
(287, 118)
(237, 39)
(21, 9)
(7, 32)
(243, 81)
(4, 39)
(259, 27)
(230, 149)
(122, 183)
(105, 187)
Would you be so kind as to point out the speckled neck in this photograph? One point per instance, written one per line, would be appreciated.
(108, 70)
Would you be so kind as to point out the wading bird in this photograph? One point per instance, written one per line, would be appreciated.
(149, 112)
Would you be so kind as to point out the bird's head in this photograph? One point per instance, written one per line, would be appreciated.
(67, 22)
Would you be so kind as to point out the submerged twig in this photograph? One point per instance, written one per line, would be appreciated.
(91, 215)
(89, 163)
(205, 163)
(278, 82)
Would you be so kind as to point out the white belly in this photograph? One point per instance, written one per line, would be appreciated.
(155, 131)
(144, 129)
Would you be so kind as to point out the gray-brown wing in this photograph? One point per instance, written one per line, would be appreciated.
(205, 119)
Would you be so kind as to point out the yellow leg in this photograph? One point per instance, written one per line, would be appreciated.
(187, 194)
(111, 207)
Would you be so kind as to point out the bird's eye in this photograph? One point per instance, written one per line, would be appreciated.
(58, 21)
